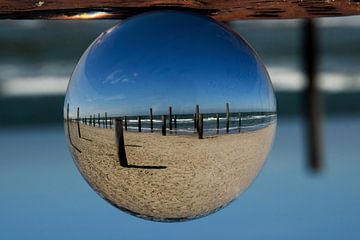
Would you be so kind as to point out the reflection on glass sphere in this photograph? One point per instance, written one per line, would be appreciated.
(169, 115)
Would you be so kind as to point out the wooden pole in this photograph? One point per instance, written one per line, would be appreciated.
(163, 125)
(139, 123)
(105, 119)
(67, 123)
(170, 119)
(120, 143)
(239, 123)
(78, 121)
(197, 111)
(201, 126)
(175, 123)
(312, 98)
(126, 123)
(194, 120)
(94, 122)
(217, 123)
(151, 120)
(98, 119)
(227, 117)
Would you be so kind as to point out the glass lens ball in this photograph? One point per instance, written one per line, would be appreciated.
(169, 115)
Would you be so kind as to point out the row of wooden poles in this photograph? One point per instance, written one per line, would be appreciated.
(120, 127)
(198, 121)
(91, 121)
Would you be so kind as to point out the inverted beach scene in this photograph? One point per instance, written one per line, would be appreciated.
(170, 115)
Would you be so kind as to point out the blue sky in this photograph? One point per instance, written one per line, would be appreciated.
(169, 58)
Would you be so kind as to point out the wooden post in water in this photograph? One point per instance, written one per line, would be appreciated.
(94, 122)
(217, 123)
(105, 119)
(175, 123)
(163, 125)
(151, 120)
(227, 117)
(139, 123)
(201, 126)
(119, 134)
(98, 119)
(197, 111)
(125, 123)
(170, 119)
(78, 121)
(194, 120)
(239, 123)
(67, 122)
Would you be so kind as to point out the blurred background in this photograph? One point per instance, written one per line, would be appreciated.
(43, 195)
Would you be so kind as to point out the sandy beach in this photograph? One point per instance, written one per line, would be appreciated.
(173, 177)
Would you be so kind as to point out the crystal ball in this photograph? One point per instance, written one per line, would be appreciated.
(169, 115)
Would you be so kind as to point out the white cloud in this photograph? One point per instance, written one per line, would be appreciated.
(115, 97)
(112, 76)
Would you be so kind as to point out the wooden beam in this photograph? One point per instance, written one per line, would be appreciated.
(313, 107)
(222, 10)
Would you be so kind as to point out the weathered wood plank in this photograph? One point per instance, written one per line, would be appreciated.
(222, 10)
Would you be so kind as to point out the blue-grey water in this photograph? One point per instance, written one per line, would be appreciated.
(43, 196)
(248, 121)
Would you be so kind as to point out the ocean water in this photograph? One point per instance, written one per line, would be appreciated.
(44, 62)
(43, 196)
(248, 121)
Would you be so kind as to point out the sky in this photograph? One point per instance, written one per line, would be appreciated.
(169, 58)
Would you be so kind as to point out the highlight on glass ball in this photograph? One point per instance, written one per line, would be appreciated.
(169, 115)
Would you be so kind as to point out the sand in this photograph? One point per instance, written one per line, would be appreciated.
(199, 176)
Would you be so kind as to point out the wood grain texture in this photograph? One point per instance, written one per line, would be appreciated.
(221, 10)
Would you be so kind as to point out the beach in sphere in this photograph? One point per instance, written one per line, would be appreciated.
(169, 115)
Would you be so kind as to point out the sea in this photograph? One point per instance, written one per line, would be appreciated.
(249, 121)
(43, 63)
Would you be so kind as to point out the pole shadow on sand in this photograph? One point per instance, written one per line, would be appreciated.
(119, 133)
